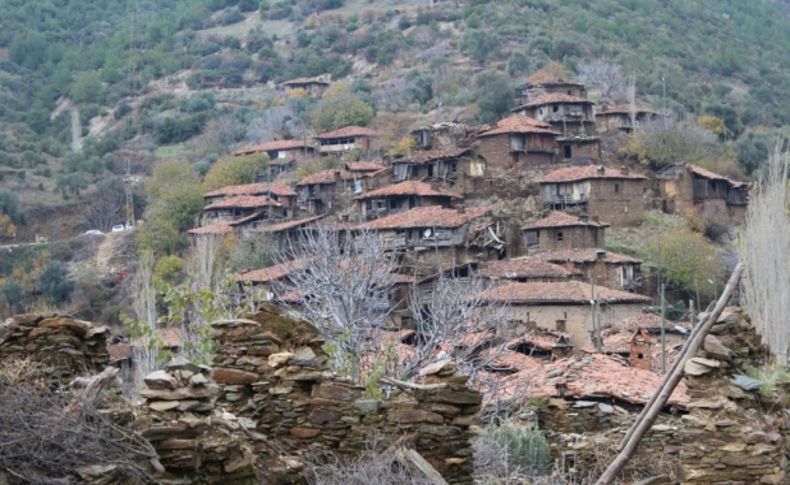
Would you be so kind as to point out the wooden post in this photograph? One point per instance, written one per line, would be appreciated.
(663, 330)
(662, 393)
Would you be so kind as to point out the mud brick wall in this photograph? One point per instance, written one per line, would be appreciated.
(272, 369)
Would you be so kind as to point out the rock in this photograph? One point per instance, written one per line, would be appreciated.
(198, 380)
(367, 406)
(746, 383)
(301, 432)
(163, 405)
(773, 479)
(435, 368)
(160, 379)
(406, 416)
(605, 408)
(179, 363)
(181, 393)
(716, 349)
(303, 356)
(280, 359)
(234, 376)
(584, 404)
(698, 366)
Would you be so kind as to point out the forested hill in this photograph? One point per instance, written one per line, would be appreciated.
(726, 58)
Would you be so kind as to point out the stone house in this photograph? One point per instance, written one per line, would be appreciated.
(440, 136)
(616, 196)
(598, 265)
(402, 196)
(316, 193)
(560, 230)
(517, 142)
(266, 279)
(613, 118)
(282, 235)
(279, 192)
(682, 187)
(344, 140)
(451, 167)
(438, 237)
(246, 208)
(567, 114)
(360, 177)
(313, 86)
(543, 82)
(565, 306)
(281, 151)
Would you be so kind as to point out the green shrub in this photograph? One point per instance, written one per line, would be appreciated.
(526, 449)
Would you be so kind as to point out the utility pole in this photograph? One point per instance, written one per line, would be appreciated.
(664, 95)
(663, 331)
(595, 323)
(693, 317)
(128, 181)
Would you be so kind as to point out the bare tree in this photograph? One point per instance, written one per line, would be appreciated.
(276, 122)
(144, 304)
(606, 77)
(453, 322)
(765, 245)
(105, 209)
(203, 262)
(345, 291)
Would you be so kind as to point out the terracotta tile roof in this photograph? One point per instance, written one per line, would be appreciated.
(584, 255)
(243, 202)
(566, 292)
(346, 175)
(519, 124)
(525, 267)
(323, 177)
(510, 360)
(269, 146)
(705, 173)
(573, 174)
(273, 273)
(346, 132)
(420, 157)
(306, 80)
(649, 321)
(364, 166)
(562, 219)
(433, 216)
(553, 98)
(217, 227)
(589, 376)
(259, 188)
(542, 339)
(408, 187)
(287, 225)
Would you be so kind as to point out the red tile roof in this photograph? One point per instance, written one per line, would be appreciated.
(217, 227)
(510, 360)
(553, 98)
(567, 292)
(260, 188)
(273, 273)
(364, 166)
(269, 146)
(648, 321)
(527, 267)
(519, 124)
(424, 156)
(705, 173)
(589, 376)
(347, 132)
(408, 187)
(562, 219)
(320, 178)
(584, 255)
(433, 216)
(573, 174)
(346, 175)
(243, 202)
(286, 225)
(542, 339)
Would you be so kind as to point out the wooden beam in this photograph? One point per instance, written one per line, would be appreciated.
(662, 393)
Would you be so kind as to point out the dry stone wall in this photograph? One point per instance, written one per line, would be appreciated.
(272, 369)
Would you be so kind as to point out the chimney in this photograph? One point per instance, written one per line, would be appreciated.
(601, 170)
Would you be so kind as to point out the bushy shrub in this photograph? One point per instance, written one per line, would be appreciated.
(53, 282)
(524, 450)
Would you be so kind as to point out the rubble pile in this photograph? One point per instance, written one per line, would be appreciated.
(729, 437)
(70, 347)
(273, 370)
(190, 434)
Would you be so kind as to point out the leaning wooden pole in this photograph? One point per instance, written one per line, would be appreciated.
(662, 393)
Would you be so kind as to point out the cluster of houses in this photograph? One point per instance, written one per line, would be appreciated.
(449, 207)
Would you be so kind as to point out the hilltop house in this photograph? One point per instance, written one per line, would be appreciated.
(544, 82)
(283, 235)
(524, 269)
(560, 230)
(452, 167)
(360, 177)
(243, 209)
(616, 196)
(625, 118)
(600, 266)
(316, 193)
(681, 187)
(402, 196)
(440, 136)
(565, 306)
(313, 86)
(281, 150)
(344, 140)
(517, 142)
(281, 193)
(438, 237)
(265, 279)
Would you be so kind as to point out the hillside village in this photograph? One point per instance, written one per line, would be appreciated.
(324, 255)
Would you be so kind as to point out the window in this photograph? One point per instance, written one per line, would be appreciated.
(617, 188)
(531, 238)
(430, 170)
(567, 151)
(560, 236)
(555, 107)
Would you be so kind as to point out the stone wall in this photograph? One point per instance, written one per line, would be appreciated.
(620, 202)
(69, 347)
(273, 370)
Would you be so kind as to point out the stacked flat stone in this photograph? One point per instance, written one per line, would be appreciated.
(70, 347)
(192, 437)
(273, 370)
